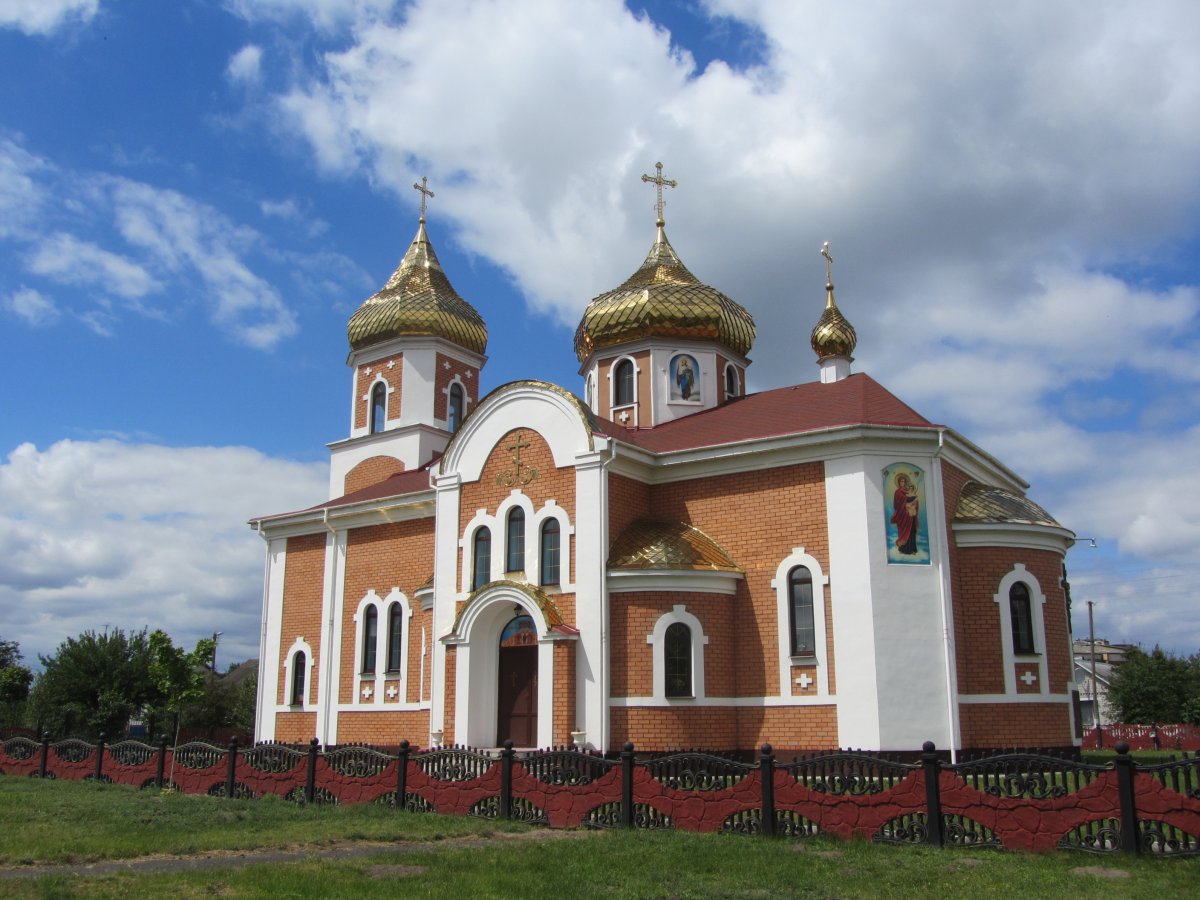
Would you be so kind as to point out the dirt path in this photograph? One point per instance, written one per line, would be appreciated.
(224, 859)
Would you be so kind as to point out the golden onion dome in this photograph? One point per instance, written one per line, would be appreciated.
(663, 299)
(833, 334)
(418, 301)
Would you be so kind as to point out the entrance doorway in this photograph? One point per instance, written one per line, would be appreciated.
(516, 701)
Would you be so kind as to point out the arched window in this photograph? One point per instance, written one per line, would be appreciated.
(623, 376)
(800, 604)
(378, 407)
(677, 660)
(370, 636)
(731, 382)
(482, 573)
(456, 408)
(1022, 618)
(299, 677)
(550, 555)
(395, 646)
(515, 559)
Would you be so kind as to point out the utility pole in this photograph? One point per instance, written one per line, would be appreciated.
(217, 634)
(1095, 687)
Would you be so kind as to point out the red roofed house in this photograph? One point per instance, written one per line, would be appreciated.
(668, 561)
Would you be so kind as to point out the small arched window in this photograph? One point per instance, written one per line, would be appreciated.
(1021, 609)
(731, 382)
(482, 571)
(395, 646)
(515, 559)
(623, 376)
(800, 605)
(299, 677)
(378, 407)
(370, 637)
(454, 420)
(677, 660)
(550, 553)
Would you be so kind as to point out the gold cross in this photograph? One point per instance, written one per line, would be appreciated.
(658, 181)
(516, 447)
(426, 193)
(828, 263)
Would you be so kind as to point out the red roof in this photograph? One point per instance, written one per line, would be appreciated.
(856, 400)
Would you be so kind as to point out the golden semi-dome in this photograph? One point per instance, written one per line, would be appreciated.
(833, 334)
(663, 299)
(418, 301)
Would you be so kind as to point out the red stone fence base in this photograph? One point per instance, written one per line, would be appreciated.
(1013, 801)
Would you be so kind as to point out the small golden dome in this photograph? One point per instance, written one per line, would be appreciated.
(418, 301)
(833, 334)
(663, 299)
(668, 544)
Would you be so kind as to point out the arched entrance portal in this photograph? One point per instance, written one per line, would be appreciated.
(517, 683)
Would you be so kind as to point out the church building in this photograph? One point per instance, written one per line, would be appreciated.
(664, 557)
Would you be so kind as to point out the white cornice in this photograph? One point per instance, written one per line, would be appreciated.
(621, 581)
(1013, 534)
(383, 511)
(382, 437)
(405, 344)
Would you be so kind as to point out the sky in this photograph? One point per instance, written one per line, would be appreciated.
(196, 195)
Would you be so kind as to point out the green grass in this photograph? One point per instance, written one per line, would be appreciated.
(65, 821)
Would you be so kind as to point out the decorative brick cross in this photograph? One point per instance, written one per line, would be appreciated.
(1029, 678)
(366, 692)
(391, 692)
(804, 681)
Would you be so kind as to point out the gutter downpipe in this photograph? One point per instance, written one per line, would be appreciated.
(947, 612)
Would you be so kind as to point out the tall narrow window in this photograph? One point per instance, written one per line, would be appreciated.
(731, 382)
(677, 659)
(378, 407)
(624, 382)
(515, 560)
(299, 677)
(456, 408)
(1022, 618)
(550, 553)
(482, 572)
(395, 646)
(800, 595)
(370, 636)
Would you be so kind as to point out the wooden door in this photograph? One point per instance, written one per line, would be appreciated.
(516, 701)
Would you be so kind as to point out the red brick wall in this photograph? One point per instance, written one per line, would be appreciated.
(371, 471)
(382, 727)
(551, 484)
(998, 725)
(451, 681)
(644, 386)
(725, 727)
(303, 577)
(382, 557)
(363, 382)
(564, 693)
(786, 506)
(296, 727)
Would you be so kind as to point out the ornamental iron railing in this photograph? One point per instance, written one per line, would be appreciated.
(1014, 801)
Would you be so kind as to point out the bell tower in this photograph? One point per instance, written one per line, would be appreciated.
(416, 351)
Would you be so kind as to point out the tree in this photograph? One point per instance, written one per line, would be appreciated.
(14, 683)
(1156, 687)
(178, 675)
(94, 683)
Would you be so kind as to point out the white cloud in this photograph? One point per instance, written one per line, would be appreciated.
(245, 66)
(324, 14)
(1006, 192)
(45, 16)
(66, 259)
(32, 306)
(96, 533)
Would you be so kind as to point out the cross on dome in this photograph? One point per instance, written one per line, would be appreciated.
(658, 181)
(426, 193)
(828, 262)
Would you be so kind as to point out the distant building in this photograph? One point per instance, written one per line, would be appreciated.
(670, 560)
(1108, 658)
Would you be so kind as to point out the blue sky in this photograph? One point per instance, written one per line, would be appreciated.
(194, 197)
